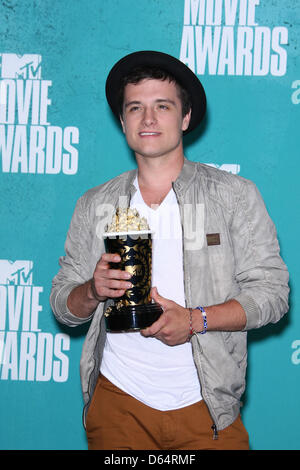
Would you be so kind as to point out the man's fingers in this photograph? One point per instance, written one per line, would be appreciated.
(112, 278)
(116, 284)
(109, 282)
(110, 258)
(103, 267)
(153, 329)
(112, 293)
(116, 274)
(103, 285)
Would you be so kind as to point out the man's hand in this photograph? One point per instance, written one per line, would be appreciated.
(108, 282)
(172, 327)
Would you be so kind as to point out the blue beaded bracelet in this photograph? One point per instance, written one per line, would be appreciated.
(204, 320)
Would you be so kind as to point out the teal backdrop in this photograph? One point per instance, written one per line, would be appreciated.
(58, 139)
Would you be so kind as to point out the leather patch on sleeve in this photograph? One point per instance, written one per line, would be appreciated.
(213, 239)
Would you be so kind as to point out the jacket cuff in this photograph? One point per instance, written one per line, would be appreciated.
(252, 311)
(59, 306)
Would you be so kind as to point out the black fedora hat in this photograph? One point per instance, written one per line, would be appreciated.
(182, 74)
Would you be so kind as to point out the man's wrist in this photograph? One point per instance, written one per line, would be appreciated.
(191, 329)
(198, 320)
(91, 291)
(204, 318)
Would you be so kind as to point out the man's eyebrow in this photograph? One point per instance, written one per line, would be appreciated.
(165, 100)
(159, 100)
(131, 102)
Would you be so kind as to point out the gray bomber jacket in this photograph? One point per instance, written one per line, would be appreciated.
(241, 262)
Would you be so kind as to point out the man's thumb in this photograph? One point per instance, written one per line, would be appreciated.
(156, 297)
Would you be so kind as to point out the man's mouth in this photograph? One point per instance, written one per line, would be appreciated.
(146, 134)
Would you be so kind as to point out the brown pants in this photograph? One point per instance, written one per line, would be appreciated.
(115, 420)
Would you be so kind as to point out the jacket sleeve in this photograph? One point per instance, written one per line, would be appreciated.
(74, 268)
(260, 271)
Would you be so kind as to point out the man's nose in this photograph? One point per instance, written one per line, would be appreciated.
(149, 116)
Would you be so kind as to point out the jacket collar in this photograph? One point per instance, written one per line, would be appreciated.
(185, 177)
(182, 182)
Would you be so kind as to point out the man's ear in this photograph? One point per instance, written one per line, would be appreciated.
(122, 124)
(186, 121)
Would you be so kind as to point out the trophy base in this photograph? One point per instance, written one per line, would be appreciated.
(132, 317)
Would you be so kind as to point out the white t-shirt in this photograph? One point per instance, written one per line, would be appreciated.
(161, 376)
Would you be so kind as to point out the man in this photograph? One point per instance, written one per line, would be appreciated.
(217, 273)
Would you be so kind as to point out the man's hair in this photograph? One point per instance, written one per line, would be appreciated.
(146, 72)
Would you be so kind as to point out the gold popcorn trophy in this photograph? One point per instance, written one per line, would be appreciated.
(130, 237)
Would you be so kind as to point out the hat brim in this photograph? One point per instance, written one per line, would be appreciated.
(183, 75)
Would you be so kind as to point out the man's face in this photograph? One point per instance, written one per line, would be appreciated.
(152, 118)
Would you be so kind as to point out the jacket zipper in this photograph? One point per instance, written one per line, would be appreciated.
(213, 427)
(182, 238)
(215, 432)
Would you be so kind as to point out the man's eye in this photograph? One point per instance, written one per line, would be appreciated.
(163, 106)
(134, 108)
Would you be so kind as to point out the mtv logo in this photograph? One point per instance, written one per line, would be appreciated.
(229, 167)
(17, 273)
(26, 66)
